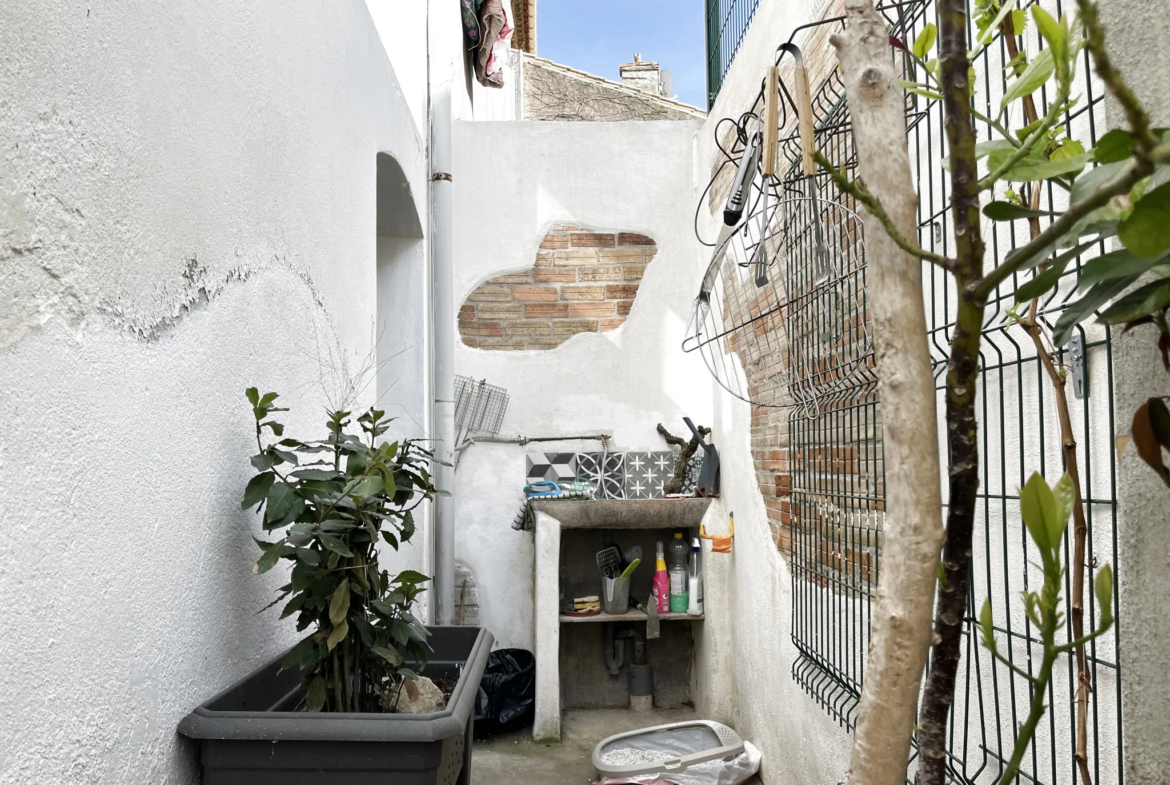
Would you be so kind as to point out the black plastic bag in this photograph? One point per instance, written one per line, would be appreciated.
(507, 692)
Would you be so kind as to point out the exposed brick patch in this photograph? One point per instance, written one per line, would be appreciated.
(527, 327)
(481, 329)
(547, 311)
(554, 275)
(498, 311)
(507, 344)
(600, 274)
(485, 294)
(574, 326)
(603, 308)
(623, 291)
(509, 279)
(583, 292)
(591, 240)
(534, 294)
(582, 280)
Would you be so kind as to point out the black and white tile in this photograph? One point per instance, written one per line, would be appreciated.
(560, 467)
(694, 466)
(646, 472)
(605, 473)
(614, 475)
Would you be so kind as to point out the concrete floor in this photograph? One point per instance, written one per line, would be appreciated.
(513, 759)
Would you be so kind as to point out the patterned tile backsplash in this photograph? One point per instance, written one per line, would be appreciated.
(615, 475)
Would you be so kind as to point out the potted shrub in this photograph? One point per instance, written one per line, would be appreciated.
(326, 710)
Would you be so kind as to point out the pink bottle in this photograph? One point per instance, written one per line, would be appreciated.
(661, 581)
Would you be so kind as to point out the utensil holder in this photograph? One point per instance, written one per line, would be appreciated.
(615, 595)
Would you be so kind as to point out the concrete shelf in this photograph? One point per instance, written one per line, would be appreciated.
(632, 614)
(625, 513)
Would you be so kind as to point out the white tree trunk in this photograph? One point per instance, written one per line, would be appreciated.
(913, 529)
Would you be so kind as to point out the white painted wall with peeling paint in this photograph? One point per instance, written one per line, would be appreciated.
(186, 208)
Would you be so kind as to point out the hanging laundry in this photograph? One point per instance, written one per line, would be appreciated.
(495, 35)
(470, 12)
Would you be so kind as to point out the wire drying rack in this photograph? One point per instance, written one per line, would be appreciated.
(479, 407)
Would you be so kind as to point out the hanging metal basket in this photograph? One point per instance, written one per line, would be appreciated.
(780, 319)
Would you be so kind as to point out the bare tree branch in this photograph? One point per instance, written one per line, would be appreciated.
(857, 189)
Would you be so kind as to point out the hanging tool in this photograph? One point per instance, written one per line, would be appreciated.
(708, 484)
(741, 187)
(771, 131)
(804, 121)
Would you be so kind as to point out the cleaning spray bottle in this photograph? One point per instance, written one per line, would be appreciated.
(661, 580)
(695, 580)
(678, 574)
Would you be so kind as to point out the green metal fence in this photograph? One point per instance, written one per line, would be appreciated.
(836, 542)
(727, 22)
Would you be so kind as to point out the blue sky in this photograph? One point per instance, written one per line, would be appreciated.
(599, 35)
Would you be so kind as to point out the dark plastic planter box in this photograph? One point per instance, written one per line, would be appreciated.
(248, 734)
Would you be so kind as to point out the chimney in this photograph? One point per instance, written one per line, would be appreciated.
(640, 76)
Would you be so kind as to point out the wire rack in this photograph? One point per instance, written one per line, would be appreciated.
(780, 319)
(479, 406)
(834, 469)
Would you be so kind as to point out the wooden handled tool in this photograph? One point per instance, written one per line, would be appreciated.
(771, 119)
(805, 118)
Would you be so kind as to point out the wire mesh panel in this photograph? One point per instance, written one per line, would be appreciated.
(479, 406)
(835, 471)
(1019, 434)
(779, 320)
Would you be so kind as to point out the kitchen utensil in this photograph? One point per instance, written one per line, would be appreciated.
(629, 570)
(804, 119)
(615, 596)
(609, 561)
(742, 186)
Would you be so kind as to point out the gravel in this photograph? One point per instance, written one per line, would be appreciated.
(632, 757)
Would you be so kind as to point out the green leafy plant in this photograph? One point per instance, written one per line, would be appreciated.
(1120, 188)
(1045, 512)
(329, 503)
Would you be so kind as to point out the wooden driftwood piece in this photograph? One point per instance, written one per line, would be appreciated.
(685, 450)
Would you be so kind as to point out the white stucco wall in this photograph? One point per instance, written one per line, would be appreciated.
(186, 209)
(798, 739)
(399, 24)
(512, 180)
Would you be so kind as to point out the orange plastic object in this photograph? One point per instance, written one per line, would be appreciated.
(720, 543)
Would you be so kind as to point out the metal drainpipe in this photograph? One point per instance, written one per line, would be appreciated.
(443, 330)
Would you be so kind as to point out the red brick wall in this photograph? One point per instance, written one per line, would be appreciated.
(584, 281)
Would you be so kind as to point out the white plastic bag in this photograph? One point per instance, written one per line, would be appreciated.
(725, 771)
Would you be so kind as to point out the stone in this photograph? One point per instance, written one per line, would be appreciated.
(428, 698)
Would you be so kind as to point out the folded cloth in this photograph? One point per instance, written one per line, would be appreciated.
(495, 32)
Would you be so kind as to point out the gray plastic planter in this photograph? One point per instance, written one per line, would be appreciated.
(248, 734)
